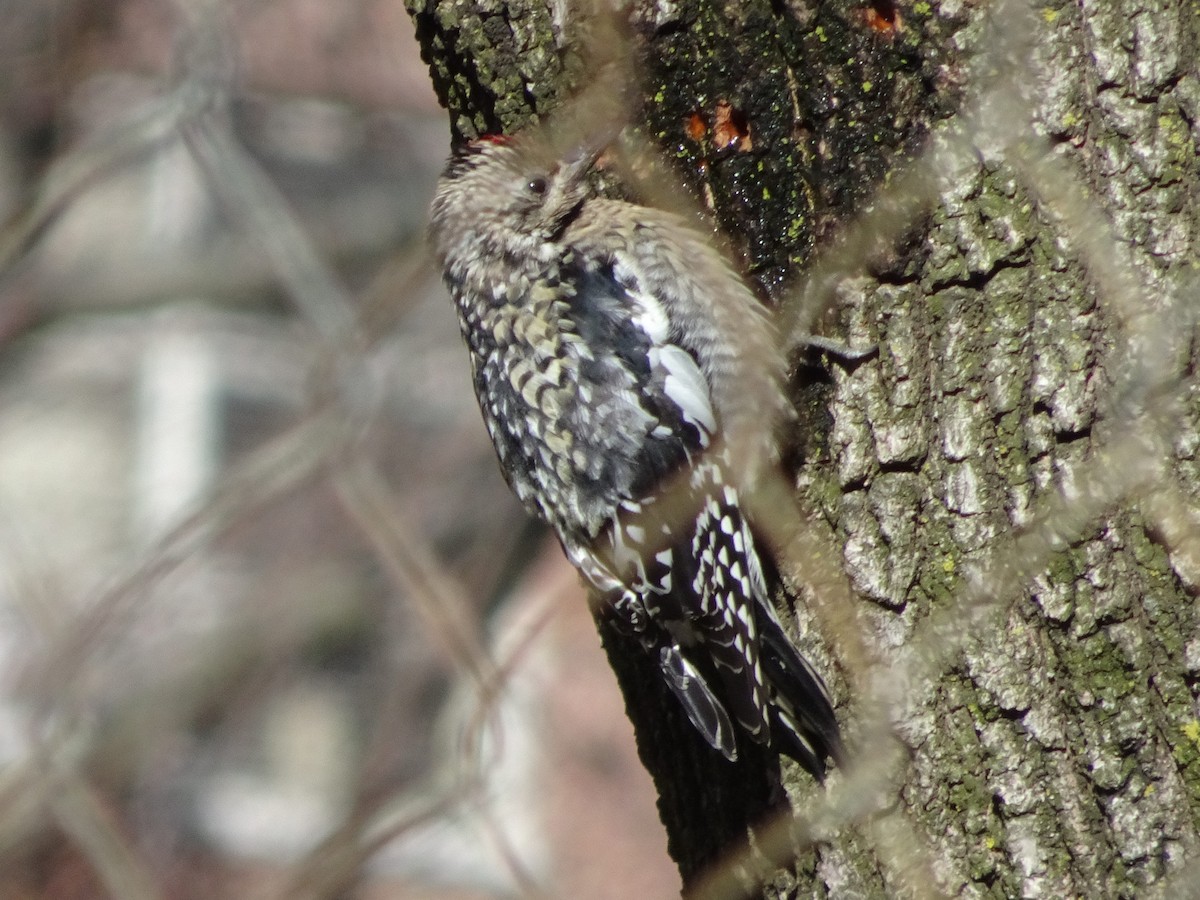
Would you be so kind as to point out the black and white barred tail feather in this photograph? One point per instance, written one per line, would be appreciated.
(703, 608)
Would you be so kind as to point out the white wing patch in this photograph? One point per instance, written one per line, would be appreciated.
(682, 380)
(649, 315)
(685, 387)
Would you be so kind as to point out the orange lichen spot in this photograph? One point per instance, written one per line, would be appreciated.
(731, 129)
(883, 17)
(695, 127)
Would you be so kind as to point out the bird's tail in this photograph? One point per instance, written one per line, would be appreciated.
(803, 724)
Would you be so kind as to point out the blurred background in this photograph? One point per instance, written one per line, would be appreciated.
(271, 624)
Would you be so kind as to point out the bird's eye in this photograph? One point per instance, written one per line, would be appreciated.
(536, 186)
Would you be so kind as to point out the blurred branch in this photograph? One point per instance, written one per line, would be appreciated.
(320, 297)
(116, 146)
(415, 568)
(269, 471)
(81, 815)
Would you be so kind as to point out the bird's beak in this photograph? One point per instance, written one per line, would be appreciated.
(582, 159)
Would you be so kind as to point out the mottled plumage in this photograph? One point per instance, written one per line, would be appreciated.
(628, 380)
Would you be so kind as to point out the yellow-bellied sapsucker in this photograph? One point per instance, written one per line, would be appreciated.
(624, 373)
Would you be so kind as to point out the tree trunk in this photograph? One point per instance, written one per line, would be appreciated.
(1004, 202)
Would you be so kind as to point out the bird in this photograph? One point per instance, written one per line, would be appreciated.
(630, 381)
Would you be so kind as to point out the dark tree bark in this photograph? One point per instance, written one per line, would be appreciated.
(1004, 203)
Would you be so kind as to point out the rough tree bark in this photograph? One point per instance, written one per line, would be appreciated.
(1012, 478)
